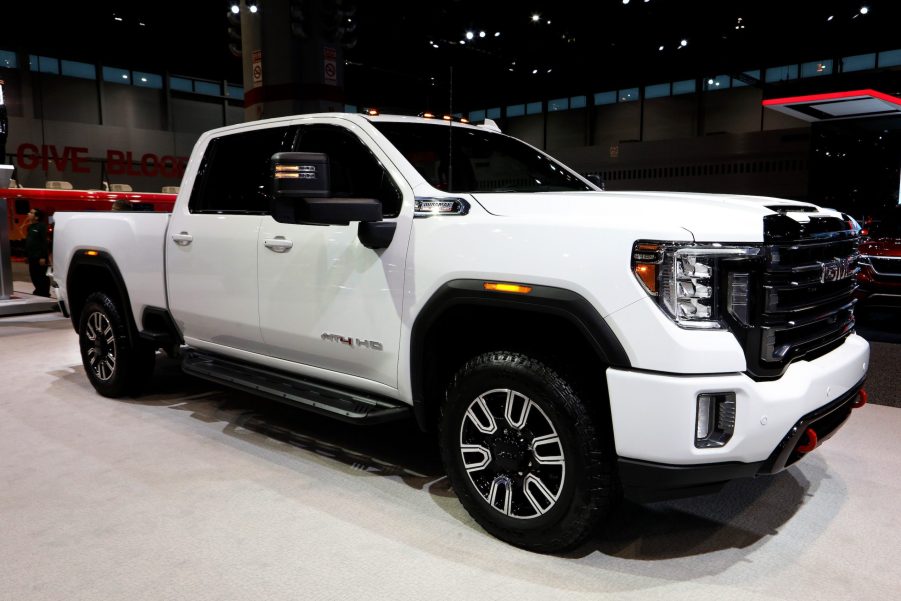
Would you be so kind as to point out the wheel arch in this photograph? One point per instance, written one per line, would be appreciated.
(452, 325)
(97, 272)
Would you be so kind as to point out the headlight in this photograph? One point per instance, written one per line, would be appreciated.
(685, 280)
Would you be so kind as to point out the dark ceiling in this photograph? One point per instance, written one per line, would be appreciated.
(574, 47)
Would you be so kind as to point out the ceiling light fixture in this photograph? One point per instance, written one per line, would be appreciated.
(536, 17)
(481, 34)
(864, 10)
(683, 43)
(469, 35)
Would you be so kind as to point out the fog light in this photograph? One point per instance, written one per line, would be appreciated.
(715, 420)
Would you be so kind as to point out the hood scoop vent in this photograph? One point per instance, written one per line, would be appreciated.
(782, 209)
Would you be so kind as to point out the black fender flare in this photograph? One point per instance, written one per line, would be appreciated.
(102, 260)
(551, 300)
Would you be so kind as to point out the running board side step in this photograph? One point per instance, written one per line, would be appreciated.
(342, 404)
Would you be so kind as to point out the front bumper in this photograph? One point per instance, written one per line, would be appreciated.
(645, 481)
(654, 414)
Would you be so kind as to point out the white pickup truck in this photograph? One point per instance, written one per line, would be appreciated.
(567, 345)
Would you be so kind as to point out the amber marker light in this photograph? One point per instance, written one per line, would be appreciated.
(372, 112)
(91, 253)
(504, 287)
(645, 259)
(447, 118)
(428, 115)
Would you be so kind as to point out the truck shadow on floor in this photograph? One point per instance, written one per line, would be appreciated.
(740, 516)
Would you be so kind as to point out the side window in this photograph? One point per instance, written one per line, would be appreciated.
(354, 170)
(234, 174)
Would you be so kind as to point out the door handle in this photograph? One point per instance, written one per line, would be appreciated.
(182, 238)
(278, 244)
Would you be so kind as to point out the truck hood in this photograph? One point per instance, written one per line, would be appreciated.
(708, 217)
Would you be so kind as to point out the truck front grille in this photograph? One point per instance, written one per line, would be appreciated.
(802, 292)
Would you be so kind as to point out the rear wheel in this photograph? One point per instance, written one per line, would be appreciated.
(524, 454)
(114, 365)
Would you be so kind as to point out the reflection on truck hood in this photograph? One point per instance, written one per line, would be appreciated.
(709, 217)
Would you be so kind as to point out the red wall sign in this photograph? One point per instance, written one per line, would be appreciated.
(118, 162)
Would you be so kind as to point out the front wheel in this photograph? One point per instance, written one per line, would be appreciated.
(114, 365)
(523, 453)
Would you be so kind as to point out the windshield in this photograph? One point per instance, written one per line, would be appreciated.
(480, 161)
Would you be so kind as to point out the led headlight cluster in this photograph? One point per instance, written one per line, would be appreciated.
(684, 279)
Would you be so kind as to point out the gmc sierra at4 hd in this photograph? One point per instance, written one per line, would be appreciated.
(567, 345)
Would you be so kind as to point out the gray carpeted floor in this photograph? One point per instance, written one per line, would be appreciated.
(193, 492)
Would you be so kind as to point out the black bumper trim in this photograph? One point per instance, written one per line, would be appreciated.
(650, 481)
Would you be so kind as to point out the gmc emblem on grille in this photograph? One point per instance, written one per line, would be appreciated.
(834, 271)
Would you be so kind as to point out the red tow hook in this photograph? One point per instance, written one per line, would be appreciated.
(811, 443)
(861, 399)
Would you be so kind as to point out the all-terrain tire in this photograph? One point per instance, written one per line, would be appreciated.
(524, 454)
(115, 365)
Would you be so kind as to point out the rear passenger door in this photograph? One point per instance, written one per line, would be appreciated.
(211, 245)
(328, 302)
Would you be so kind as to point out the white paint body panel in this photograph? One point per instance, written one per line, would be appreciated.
(654, 414)
(213, 280)
(135, 240)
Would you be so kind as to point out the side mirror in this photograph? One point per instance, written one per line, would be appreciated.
(301, 193)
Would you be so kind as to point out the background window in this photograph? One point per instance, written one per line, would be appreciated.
(182, 84)
(494, 113)
(558, 104)
(516, 110)
(8, 59)
(578, 102)
(891, 58)
(859, 62)
(77, 69)
(604, 98)
(816, 68)
(115, 75)
(752, 78)
(627, 95)
(720, 82)
(148, 80)
(533, 108)
(207, 87)
(657, 90)
(686, 86)
(477, 116)
(784, 73)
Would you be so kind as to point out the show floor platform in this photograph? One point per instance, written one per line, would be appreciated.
(192, 492)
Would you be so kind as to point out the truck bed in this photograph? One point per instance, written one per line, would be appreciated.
(136, 242)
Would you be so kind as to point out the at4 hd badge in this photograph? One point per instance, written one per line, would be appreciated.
(353, 342)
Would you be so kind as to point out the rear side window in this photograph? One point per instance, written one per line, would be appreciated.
(234, 173)
(354, 170)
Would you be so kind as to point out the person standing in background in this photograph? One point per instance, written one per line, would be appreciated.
(37, 250)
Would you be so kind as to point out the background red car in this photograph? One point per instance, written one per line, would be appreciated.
(880, 263)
